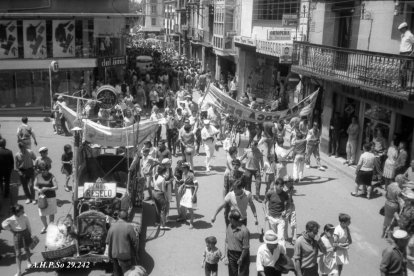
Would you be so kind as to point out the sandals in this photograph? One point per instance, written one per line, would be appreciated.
(67, 189)
(43, 230)
(354, 194)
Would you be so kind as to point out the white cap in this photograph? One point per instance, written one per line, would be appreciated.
(270, 237)
(400, 234)
(43, 149)
(166, 161)
(206, 122)
(402, 25)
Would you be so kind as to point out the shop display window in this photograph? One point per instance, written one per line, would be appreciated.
(24, 89)
(41, 89)
(6, 90)
(375, 118)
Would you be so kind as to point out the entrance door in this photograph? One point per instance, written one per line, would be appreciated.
(344, 39)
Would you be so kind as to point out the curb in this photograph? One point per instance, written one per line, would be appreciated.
(18, 119)
(338, 164)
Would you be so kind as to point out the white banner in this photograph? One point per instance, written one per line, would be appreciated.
(8, 39)
(63, 38)
(113, 137)
(227, 105)
(34, 38)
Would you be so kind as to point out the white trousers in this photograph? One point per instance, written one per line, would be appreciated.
(278, 225)
(209, 149)
(298, 167)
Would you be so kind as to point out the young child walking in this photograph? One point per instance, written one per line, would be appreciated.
(212, 255)
(342, 238)
(67, 167)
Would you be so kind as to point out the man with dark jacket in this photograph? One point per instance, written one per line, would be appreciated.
(6, 167)
(122, 244)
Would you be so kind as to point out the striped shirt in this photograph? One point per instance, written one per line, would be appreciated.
(24, 160)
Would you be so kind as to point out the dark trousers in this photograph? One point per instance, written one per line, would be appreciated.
(5, 182)
(172, 145)
(334, 141)
(121, 266)
(313, 271)
(234, 268)
(27, 179)
(271, 271)
(63, 124)
(157, 136)
(183, 153)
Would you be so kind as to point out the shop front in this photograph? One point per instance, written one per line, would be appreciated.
(392, 116)
(34, 41)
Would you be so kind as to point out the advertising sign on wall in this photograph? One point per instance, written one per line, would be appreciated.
(63, 38)
(289, 20)
(279, 34)
(34, 38)
(8, 39)
(286, 56)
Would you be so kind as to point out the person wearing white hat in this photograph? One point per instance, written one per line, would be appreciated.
(268, 254)
(393, 262)
(208, 134)
(43, 158)
(406, 49)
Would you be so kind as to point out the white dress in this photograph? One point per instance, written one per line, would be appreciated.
(187, 199)
(389, 166)
(341, 253)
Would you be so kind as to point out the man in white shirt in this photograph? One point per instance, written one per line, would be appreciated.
(268, 254)
(208, 134)
(406, 49)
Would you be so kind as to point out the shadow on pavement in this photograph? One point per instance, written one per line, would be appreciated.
(311, 181)
(148, 218)
(201, 224)
(218, 168)
(7, 253)
(60, 202)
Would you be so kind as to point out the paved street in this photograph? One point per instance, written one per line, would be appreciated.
(321, 197)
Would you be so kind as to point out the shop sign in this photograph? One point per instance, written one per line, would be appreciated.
(276, 49)
(245, 40)
(99, 190)
(289, 20)
(378, 98)
(112, 61)
(279, 34)
(107, 96)
(63, 38)
(8, 39)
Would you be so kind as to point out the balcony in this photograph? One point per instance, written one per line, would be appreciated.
(388, 74)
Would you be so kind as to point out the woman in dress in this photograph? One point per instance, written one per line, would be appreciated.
(364, 171)
(389, 166)
(391, 205)
(188, 192)
(129, 119)
(45, 184)
(342, 239)
(160, 196)
(19, 225)
(327, 262)
(67, 168)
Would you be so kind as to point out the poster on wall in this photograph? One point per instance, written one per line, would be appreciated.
(286, 56)
(8, 39)
(63, 38)
(34, 38)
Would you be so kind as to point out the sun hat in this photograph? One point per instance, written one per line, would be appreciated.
(400, 234)
(43, 149)
(402, 25)
(166, 161)
(270, 237)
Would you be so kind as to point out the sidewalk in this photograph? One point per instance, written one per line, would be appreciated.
(18, 119)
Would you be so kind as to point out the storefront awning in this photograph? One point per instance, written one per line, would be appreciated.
(43, 64)
(20, 15)
(151, 29)
(244, 41)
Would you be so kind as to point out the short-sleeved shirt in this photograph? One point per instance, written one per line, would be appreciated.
(45, 160)
(306, 251)
(212, 256)
(237, 238)
(25, 160)
(239, 203)
(409, 173)
(265, 258)
(367, 160)
(253, 158)
(277, 202)
(230, 177)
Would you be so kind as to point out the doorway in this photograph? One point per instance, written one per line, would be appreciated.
(343, 39)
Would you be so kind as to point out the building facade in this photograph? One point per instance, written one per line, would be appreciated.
(353, 56)
(268, 29)
(154, 17)
(79, 35)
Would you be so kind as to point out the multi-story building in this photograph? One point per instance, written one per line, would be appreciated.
(85, 37)
(353, 56)
(171, 24)
(154, 17)
(268, 29)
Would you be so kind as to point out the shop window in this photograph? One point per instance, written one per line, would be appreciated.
(375, 118)
(153, 21)
(6, 89)
(41, 93)
(24, 89)
(274, 10)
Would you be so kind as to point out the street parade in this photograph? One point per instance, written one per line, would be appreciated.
(165, 167)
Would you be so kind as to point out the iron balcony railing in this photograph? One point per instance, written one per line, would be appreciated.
(378, 72)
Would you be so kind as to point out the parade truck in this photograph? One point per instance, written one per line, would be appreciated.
(104, 183)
